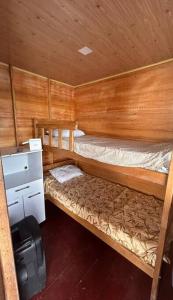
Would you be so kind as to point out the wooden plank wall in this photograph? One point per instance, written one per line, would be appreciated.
(31, 101)
(136, 105)
(61, 101)
(34, 97)
(7, 133)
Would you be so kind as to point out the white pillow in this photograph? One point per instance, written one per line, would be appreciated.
(66, 133)
(78, 133)
(65, 173)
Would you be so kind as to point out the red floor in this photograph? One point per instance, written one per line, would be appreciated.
(81, 267)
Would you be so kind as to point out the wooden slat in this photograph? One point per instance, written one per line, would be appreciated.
(50, 137)
(71, 141)
(49, 98)
(6, 250)
(56, 124)
(7, 132)
(60, 138)
(58, 164)
(42, 135)
(13, 96)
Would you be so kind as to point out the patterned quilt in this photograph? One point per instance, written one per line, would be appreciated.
(127, 216)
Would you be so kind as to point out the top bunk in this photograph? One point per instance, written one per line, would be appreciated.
(149, 155)
(147, 160)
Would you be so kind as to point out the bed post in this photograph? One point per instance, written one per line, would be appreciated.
(163, 231)
(50, 137)
(71, 140)
(42, 135)
(59, 138)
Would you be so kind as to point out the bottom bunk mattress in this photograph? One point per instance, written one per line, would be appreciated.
(127, 216)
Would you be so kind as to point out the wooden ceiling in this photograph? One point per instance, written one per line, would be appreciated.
(44, 36)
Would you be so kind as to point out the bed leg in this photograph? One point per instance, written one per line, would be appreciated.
(154, 288)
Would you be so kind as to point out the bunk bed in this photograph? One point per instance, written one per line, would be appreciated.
(134, 190)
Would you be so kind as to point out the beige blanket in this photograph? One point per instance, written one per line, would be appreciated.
(127, 216)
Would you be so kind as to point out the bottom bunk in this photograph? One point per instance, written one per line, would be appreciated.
(126, 216)
(129, 221)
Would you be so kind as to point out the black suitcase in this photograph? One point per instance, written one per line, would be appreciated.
(29, 257)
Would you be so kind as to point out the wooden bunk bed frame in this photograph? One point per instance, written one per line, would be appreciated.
(149, 182)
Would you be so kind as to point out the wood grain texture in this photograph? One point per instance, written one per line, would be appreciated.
(55, 124)
(31, 94)
(47, 157)
(61, 101)
(13, 102)
(138, 105)
(31, 99)
(2, 292)
(7, 134)
(122, 34)
(6, 250)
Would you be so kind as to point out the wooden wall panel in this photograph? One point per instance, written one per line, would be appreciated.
(31, 101)
(7, 133)
(61, 101)
(34, 97)
(137, 105)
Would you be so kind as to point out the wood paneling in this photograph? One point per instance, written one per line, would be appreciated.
(123, 35)
(31, 97)
(61, 101)
(137, 105)
(6, 251)
(34, 97)
(7, 134)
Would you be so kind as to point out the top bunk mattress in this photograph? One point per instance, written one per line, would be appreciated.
(126, 153)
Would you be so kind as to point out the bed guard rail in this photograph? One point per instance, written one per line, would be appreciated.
(43, 127)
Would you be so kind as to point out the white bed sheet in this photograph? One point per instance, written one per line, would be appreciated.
(127, 153)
